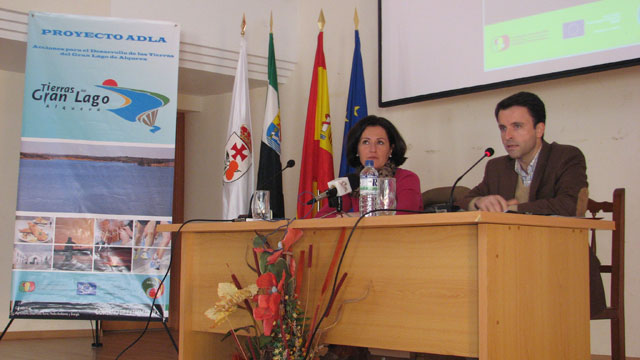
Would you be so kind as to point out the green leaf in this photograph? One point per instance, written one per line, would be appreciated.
(263, 262)
(242, 328)
(277, 268)
(264, 340)
(290, 289)
(258, 241)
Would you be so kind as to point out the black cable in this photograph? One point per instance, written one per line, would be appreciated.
(335, 279)
(311, 208)
(162, 283)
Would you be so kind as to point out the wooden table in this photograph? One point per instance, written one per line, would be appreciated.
(477, 284)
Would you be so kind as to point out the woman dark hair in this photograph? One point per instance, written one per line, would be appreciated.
(375, 138)
(396, 141)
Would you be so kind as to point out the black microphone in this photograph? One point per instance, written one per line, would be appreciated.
(488, 152)
(291, 163)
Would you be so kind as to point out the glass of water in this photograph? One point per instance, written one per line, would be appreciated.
(260, 207)
(387, 195)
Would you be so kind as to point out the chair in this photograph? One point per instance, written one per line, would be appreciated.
(437, 198)
(615, 311)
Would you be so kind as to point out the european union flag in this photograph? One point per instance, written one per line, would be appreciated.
(356, 104)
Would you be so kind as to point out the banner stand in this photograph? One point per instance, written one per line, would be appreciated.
(98, 330)
(96, 335)
(99, 118)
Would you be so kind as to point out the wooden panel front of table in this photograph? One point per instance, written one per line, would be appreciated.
(476, 284)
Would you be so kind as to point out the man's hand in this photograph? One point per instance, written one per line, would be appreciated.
(495, 203)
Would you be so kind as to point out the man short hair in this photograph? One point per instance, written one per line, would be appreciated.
(528, 100)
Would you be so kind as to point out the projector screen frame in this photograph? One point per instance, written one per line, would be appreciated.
(488, 86)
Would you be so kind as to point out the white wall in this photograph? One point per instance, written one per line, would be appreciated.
(597, 112)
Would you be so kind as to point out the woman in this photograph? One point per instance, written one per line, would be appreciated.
(375, 138)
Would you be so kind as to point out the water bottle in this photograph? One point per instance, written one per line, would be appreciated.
(368, 188)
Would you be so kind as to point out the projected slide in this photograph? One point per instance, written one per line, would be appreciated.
(565, 29)
(439, 48)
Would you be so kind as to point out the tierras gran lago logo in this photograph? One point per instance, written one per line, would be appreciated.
(135, 104)
(139, 105)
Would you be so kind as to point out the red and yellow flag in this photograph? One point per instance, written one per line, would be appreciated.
(317, 149)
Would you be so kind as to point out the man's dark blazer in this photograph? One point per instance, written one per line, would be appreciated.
(560, 173)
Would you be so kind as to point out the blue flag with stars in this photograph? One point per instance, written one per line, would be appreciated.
(356, 104)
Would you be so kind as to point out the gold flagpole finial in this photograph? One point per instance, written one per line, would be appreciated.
(356, 21)
(271, 23)
(321, 21)
(243, 26)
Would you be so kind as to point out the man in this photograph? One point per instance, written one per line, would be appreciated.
(536, 177)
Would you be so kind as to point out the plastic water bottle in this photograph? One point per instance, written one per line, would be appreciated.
(368, 188)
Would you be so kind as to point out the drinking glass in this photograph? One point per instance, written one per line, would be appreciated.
(260, 208)
(387, 195)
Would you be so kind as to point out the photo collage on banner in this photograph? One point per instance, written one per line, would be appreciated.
(96, 168)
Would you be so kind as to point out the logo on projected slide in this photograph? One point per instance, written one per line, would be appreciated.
(27, 286)
(501, 43)
(237, 157)
(139, 105)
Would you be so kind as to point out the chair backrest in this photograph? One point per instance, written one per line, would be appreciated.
(615, 311)
(440, 195)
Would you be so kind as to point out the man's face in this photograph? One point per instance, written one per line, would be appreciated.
(519, 137)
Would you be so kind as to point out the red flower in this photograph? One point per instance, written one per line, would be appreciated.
(290, 238)
(268, 309)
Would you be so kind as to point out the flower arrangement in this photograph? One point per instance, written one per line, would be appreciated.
(282, 328)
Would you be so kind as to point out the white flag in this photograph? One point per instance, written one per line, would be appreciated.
(238, 174)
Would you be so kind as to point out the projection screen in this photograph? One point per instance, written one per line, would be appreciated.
(439, 48)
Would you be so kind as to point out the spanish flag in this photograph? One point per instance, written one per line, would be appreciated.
(317, 152)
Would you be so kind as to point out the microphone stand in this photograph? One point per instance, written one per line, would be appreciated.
(336, 202)
(450, 207)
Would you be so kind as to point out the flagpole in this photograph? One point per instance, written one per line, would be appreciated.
(321, 23)
(238, 179)
(356, 100)
(269, 173)
(316, 168)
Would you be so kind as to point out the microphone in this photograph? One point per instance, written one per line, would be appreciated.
(338, 187)
(291, 163)
(488, 152)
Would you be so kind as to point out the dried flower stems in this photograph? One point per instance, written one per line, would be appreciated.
(325, 285)
(235, 337)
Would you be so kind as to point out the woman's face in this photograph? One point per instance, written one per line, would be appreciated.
(374, 145)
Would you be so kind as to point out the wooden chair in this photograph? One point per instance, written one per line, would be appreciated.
(615, 311)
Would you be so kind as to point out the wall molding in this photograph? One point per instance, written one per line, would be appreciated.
(13, 26)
